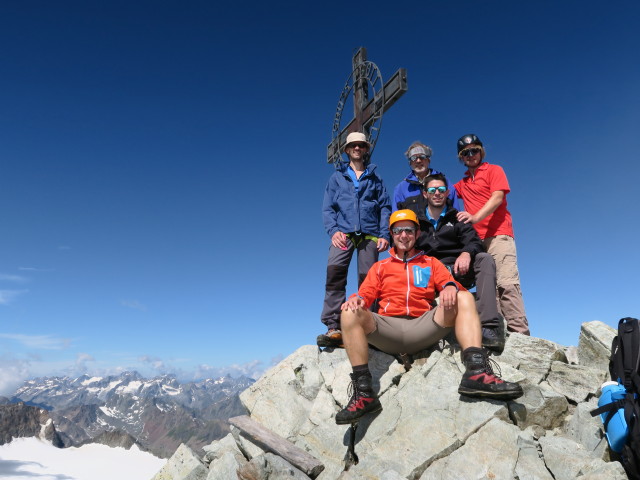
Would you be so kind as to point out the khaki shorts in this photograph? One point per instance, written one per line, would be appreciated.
(503, 250)
(406, 334)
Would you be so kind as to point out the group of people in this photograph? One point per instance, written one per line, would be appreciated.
(445, 240)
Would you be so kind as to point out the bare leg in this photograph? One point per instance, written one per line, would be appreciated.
(356, 325)
(464, 317)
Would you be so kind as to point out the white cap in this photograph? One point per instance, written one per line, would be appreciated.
(356, 137)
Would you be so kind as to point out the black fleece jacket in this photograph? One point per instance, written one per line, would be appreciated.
(450, 239)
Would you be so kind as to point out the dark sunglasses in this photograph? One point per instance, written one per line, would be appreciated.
(470, 152)
(360, 145)
(418, 157)
(432, 190)
(399, 230)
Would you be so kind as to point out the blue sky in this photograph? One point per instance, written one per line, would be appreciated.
(163, 165)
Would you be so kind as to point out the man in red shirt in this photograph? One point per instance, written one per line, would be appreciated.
(484, 191)
(405, 286)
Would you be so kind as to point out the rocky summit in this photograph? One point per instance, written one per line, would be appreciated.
(425, 430)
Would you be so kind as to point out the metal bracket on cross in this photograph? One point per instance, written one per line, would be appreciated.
(371, 99)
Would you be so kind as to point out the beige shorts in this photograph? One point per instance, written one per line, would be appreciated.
(503, 250)
(406, 334)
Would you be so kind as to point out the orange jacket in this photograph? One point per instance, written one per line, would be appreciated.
(405, 289)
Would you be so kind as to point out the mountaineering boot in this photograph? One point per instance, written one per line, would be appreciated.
(480, 381)
(333, 338)
(493, 339)
(363, 400)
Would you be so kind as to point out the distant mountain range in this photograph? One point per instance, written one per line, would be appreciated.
(158, 414)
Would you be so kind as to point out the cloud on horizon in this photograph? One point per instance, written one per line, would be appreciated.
(135, 304)
(42, 342)
(6, 277)
(8, 296)
(158, 366)
(35, 269)
(13, 373)
(253, 369)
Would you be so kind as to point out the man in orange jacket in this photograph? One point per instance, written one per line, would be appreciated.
(406, 284)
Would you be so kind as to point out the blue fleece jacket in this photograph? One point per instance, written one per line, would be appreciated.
(346, 210)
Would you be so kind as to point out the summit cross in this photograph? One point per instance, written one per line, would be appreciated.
(371, 99)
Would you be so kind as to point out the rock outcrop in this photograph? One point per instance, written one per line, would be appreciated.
(19, 420)
(426, 430)
(113, 439)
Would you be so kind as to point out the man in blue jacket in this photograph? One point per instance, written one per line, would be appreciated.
(355, 212)
(409, 190)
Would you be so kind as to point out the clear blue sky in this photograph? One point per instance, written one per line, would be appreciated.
(163, 165)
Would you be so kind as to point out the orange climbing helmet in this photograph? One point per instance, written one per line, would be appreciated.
(403, 215)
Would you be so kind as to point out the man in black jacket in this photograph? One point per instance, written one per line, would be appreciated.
(457, 245)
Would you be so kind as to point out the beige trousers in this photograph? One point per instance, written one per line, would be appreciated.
(503, 250)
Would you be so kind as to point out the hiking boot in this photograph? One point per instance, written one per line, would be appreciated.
(480, 381)
(363, 400)
(493, 339)
(333, 338)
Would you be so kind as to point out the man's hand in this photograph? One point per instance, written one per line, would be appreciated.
(382, 244)
(463, 262)
(339, 240)
(354, 303)
(495, 200)
(466, 217)
(448, 297)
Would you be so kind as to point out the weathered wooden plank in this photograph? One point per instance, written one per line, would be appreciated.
(274, 443)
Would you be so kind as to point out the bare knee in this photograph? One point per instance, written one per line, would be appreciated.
(359, 318)
(349, 319)
(465, 304)
(466, 300)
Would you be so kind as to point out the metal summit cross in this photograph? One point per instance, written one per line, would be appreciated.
(371, 99)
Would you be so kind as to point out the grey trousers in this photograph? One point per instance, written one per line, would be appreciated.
(337, 271)
(484, 271)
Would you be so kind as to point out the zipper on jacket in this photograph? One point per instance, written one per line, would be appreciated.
(408, 284)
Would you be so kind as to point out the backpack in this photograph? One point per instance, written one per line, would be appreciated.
(624, 367)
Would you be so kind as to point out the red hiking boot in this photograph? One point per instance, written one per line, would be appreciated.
(480, 381)
(363, 400)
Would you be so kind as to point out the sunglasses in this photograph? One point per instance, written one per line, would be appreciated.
(432, 190)
(418, 157)
(470, 152)
(407, 230)
(359, 145)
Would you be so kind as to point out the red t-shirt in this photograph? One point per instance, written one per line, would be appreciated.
(475, 192)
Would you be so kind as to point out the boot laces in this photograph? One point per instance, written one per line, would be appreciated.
(489, 365)
(352, 387)
(354, 393)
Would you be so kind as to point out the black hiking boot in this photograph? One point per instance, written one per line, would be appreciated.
(493, 339)
(480, 381)
(363, 400)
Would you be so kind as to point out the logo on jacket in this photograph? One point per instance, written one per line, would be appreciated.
(421, 276)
